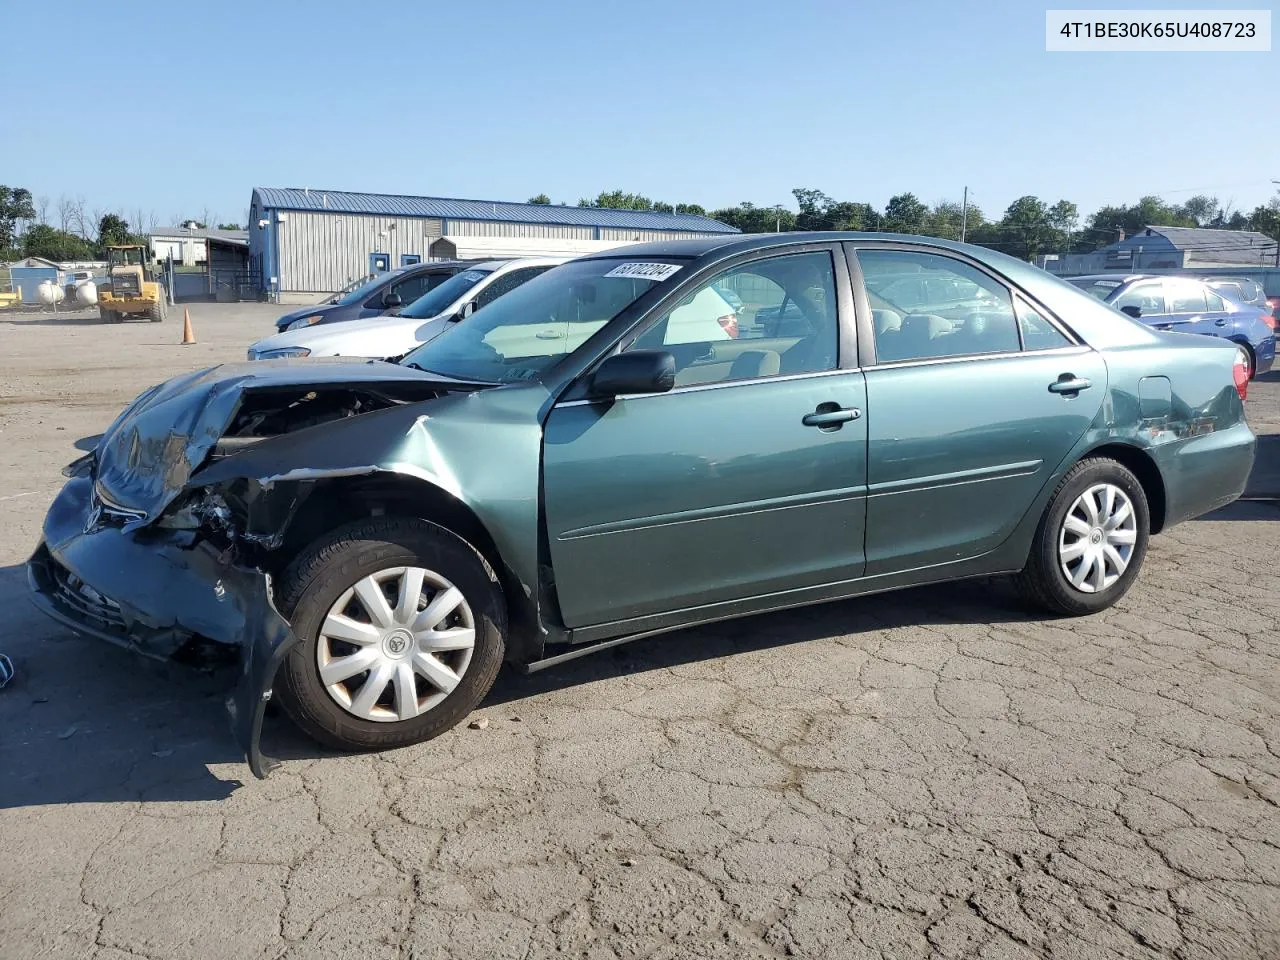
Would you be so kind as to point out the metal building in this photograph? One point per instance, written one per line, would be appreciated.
(307, 243)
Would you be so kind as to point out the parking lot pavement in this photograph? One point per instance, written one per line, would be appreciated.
(931, 773)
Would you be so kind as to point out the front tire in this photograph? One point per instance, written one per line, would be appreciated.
(370, 672)
(1091, 540)
(156, 311)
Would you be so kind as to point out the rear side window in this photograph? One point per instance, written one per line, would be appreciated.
(1187, 298)
(1037, 332)
(950, 310)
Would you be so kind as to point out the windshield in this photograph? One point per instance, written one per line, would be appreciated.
(535, 325)
(1095, 288)
(367, 288)
(439, 295)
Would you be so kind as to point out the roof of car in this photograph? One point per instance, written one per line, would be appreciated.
(1121, 277)
(729, 244)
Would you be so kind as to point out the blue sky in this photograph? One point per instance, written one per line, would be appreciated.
(710, 102)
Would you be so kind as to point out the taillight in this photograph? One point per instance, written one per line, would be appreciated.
(729, 323)
(1269, 320)
(1240, 373)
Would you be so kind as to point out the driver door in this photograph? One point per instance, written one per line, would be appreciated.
(726, 487)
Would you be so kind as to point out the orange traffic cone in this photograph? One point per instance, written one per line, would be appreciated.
(188, 335)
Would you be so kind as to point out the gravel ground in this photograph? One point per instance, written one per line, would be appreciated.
(931, 773)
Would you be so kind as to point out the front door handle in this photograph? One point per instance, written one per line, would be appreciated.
(830, 416)
(1220, 322)
(1069, 384)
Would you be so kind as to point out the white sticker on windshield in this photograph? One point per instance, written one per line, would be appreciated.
(657, 272)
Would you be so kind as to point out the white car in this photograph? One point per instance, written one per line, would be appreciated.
(393, 335)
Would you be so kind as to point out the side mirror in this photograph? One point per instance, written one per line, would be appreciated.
(467, 310)
(640, 371)
(1132, 309)
(392, 300)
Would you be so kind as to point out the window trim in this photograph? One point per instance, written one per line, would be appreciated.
(866, 331)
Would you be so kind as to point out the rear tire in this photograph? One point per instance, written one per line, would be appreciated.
(353, 556)
(156, 312)
(1086, 519)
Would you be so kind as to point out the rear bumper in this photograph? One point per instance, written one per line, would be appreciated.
(153, 591)
(1205, 472)
(1264, 355)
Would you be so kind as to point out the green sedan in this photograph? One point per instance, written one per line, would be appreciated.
(658, 436)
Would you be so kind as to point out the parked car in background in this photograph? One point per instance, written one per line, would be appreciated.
(1187, 305)
(375, 295)
(1246, 291)
(454, 298)
(375, 539)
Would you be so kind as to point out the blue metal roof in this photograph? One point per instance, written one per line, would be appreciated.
(381, 204)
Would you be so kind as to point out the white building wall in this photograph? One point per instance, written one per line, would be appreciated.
(185, 250)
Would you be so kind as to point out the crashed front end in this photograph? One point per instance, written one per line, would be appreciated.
(140, 550)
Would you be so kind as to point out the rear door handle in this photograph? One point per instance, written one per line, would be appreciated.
(830, 416)
(1069, 384)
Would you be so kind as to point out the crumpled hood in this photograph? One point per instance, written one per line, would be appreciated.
(149, 452)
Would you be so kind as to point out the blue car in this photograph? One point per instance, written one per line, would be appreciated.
(374, 295)
(1187, 305)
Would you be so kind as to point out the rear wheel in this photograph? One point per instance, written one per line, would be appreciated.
(1246, 355)
(401, 628)
(1091, 540)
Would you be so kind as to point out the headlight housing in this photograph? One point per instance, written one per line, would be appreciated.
(278, 353)
(303, 322)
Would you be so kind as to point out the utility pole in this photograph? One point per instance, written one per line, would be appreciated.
(964, 214)
(777, 224)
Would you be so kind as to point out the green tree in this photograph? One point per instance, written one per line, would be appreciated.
(15, 205)
(749, 218)
(905, 213)
(230, 226)
(112, 229)
(660, 206)
(693, 208)
(618, 200)
(1266, 218)
(541, 198)
(1200, 210)
(43, 240)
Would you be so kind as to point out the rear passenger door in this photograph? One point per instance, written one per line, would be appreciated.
(968, 416)
(1194, 308)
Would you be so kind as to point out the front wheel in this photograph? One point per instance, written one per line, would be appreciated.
(1091, 540)
(401, 627)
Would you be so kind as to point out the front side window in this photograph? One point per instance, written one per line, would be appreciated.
(948, 309)
(785, 322)
(540, 322)
(1148, 297)
(443, 291)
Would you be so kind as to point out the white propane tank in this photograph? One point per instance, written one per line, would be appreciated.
(86, 292)
(49, 293)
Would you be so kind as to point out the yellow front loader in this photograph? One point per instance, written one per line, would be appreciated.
(131, 287)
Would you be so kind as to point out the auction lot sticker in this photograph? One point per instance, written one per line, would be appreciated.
(656, 272)
(1139, 31)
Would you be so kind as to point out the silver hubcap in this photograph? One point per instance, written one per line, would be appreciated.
(1097, 538)
(395, 644)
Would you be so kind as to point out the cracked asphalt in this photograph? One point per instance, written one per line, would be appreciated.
(936, 773)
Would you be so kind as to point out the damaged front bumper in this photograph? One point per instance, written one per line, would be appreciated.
(152, 591)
